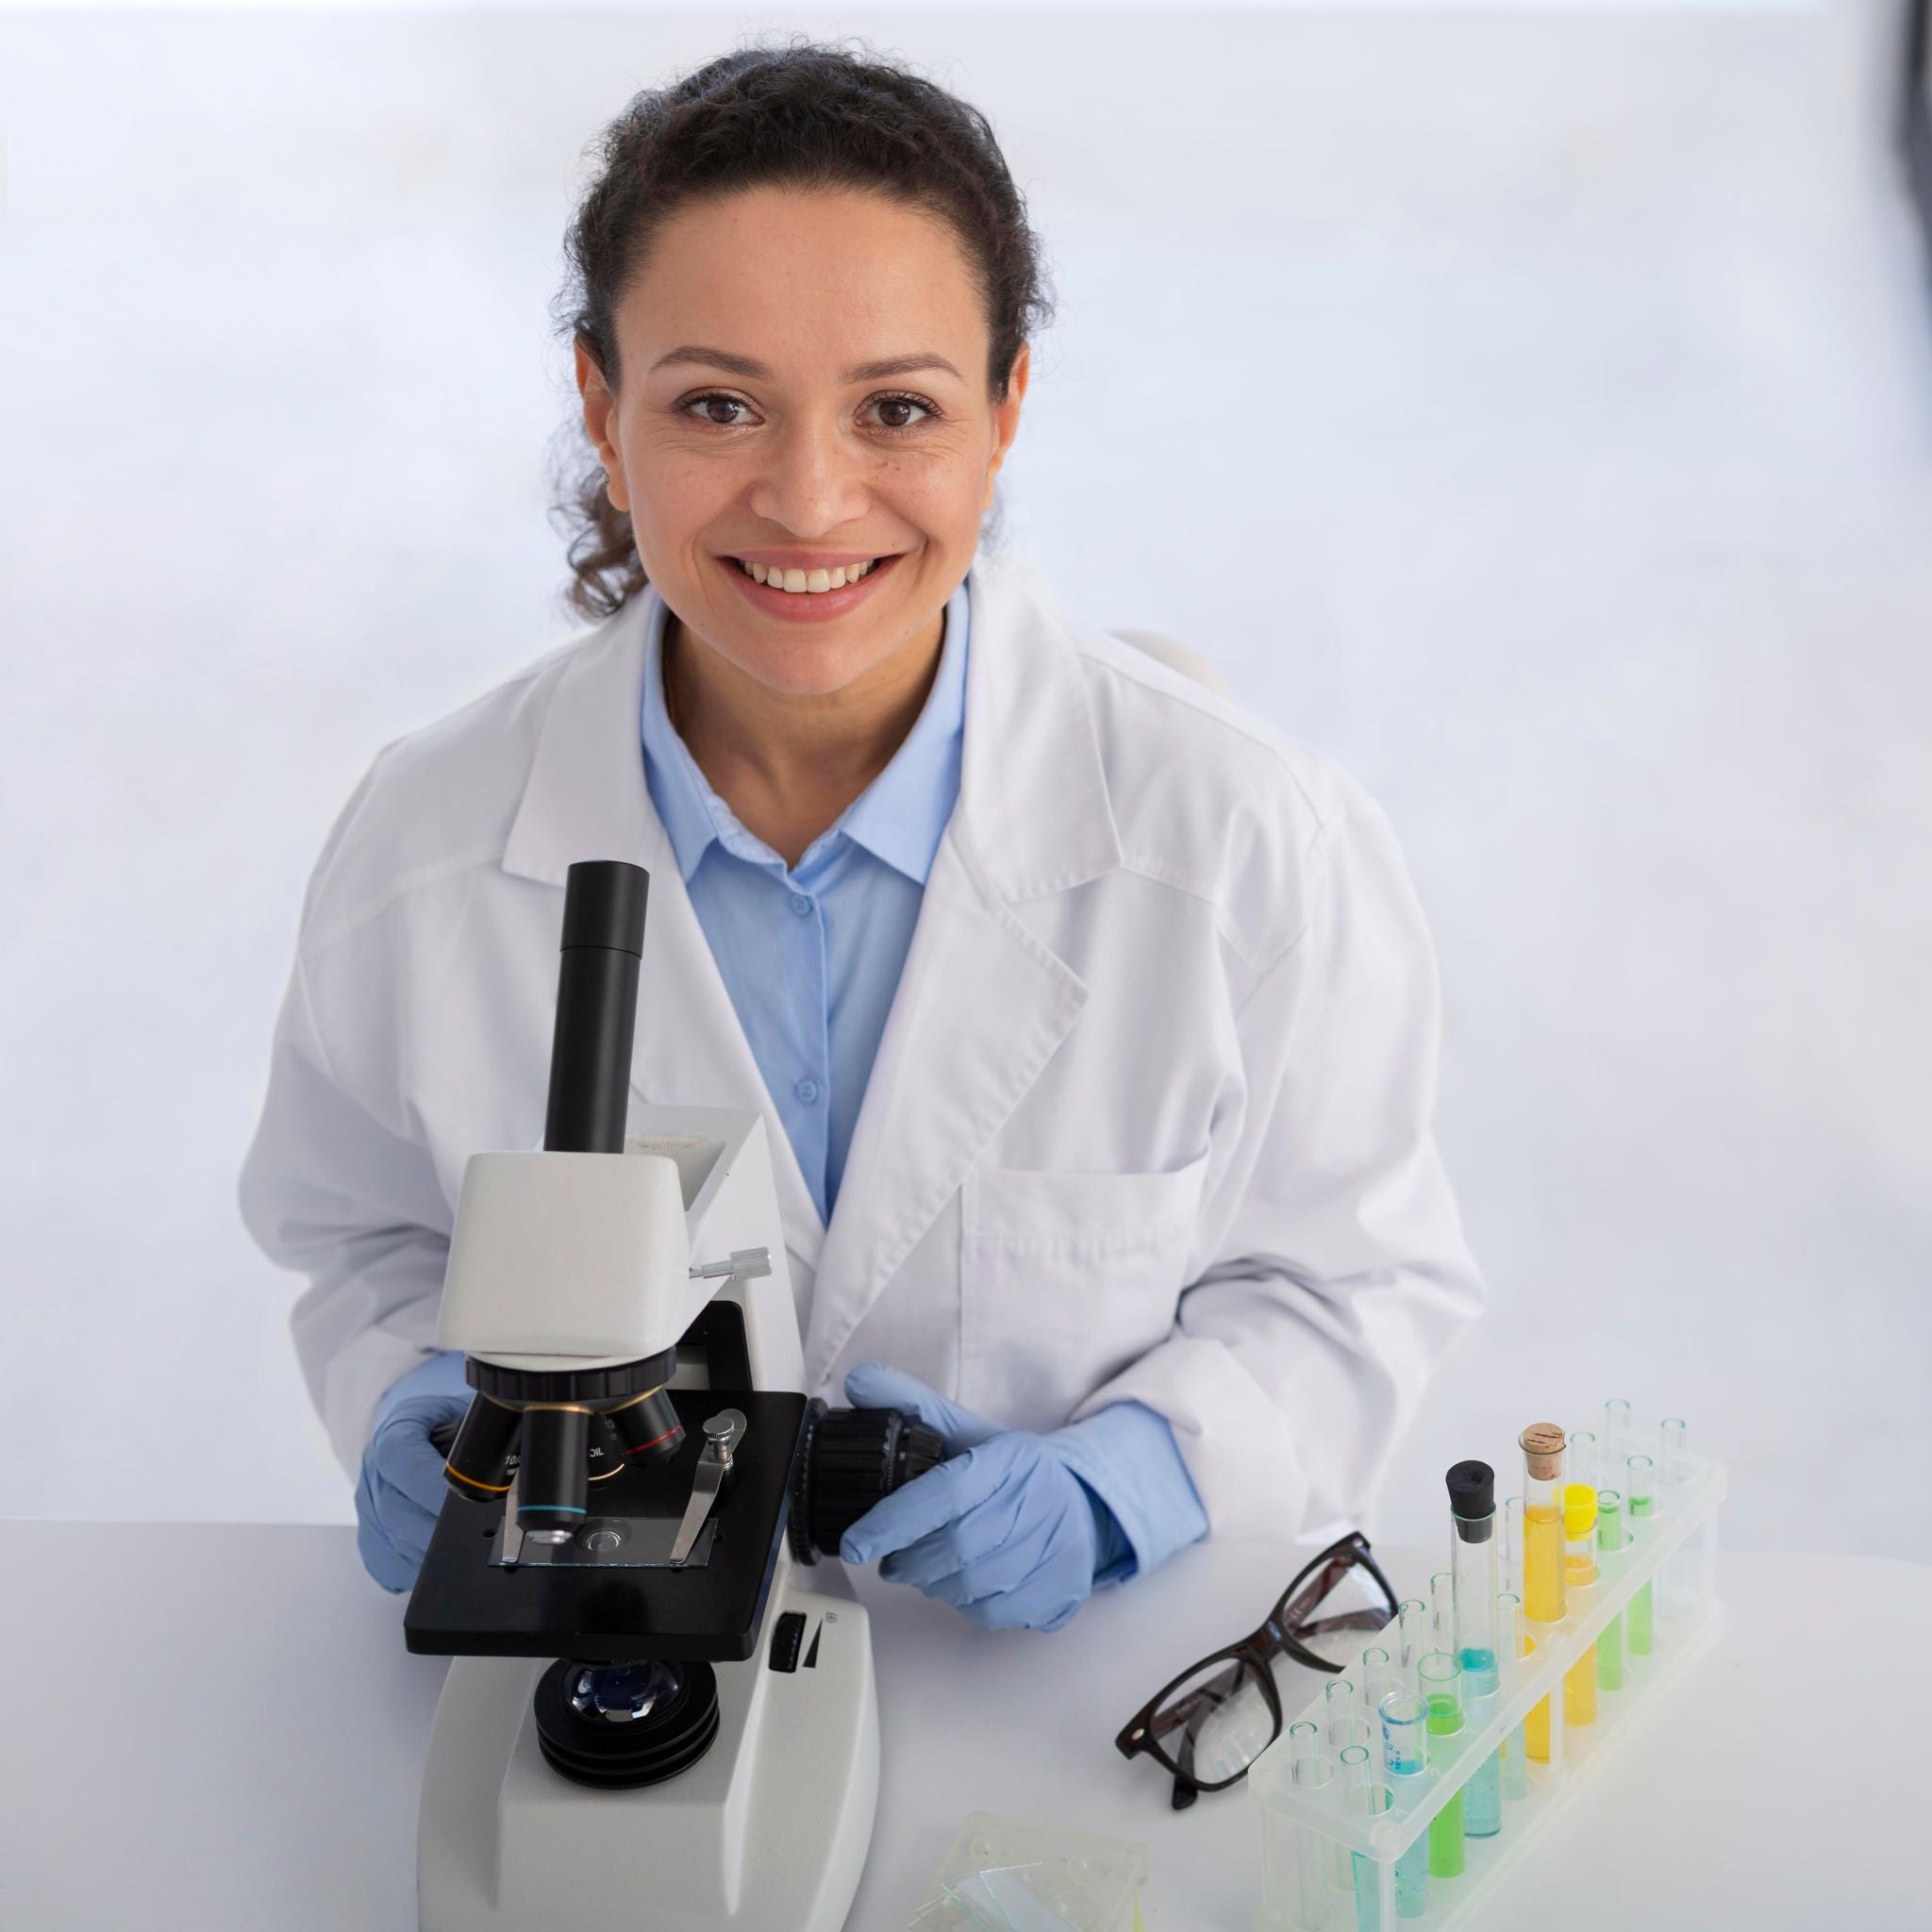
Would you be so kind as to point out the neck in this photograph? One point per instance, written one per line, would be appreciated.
(788, 764)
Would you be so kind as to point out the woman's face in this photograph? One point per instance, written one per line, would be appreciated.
(802, 385)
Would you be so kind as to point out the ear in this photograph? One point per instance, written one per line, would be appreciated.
(600, 423)
(1006, 417)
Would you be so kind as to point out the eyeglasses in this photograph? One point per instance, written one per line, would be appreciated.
(1214, 1720)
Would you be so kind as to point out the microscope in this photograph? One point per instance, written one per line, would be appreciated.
(649, 1720)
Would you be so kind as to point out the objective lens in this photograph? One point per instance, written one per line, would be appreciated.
(649, 1426)
(478, 1464)
(607, 1449)
(554, 1480)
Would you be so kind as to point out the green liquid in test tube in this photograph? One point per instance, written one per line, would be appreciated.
(1641, 1497)
(1438, 1677)
(1609, 1646)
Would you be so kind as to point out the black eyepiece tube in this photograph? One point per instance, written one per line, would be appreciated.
(596, 1006)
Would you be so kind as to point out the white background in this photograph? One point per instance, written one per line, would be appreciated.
(1533, 408)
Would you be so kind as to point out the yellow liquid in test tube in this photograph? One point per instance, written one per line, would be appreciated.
(1544, 1600)
(1543, 1595)
(1579, 1527)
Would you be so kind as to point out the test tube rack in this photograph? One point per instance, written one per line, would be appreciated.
(1310, 1841)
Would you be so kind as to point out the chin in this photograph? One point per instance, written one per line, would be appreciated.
(810, 671)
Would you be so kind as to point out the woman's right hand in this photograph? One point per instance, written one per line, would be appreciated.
(402, 1486)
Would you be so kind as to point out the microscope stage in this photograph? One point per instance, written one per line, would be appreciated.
(467, 1604)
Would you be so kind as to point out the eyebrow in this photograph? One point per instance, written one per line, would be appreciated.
(864, 371)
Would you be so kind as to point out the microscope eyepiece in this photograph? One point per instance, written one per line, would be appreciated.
(596, 1006)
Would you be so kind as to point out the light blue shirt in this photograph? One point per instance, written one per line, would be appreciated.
(811, 956)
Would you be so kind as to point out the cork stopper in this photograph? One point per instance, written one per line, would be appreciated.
(1543, 1445)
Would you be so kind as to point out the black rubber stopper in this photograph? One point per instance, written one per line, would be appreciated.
(849, 1459)
(1472, 1490)
(614, 1758)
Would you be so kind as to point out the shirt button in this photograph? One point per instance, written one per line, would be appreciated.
(808, 1091)
(800, 904)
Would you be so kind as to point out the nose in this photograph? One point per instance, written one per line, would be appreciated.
(811, 480)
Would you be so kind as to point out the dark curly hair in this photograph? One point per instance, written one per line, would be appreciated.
(802, 114)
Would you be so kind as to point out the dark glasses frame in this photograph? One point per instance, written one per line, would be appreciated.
(1290, 1619)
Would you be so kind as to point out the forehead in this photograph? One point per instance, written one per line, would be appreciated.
(804, 279)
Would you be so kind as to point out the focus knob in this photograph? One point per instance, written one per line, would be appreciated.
(848, 1459)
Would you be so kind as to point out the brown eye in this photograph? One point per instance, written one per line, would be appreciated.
(902, 413)
(710, 404)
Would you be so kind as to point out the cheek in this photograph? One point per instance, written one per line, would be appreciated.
(673, 491)
(939, 494)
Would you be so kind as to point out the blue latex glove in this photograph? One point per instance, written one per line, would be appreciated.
(401, 1490)
(1005, 1530)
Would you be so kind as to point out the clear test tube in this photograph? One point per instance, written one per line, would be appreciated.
(1545, 1597)
(1472, 1574)
(1638, 1478)
(1304, 1738)
(1513, 1642)
(1676, 1579)
(1610, 1539)
(1380, 1673)
(1338, 1706)
(1677, 1467)
(1312, 1776)
(1615, 1438)
(1357, 1774)
(1404, 1754)
(1442, 1610)
(1509, 1551)
(1367, 1802)
(1439, 1676)
(1412, 1629)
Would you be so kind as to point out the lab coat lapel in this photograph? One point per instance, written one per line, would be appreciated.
(587, 798)
(982, 1003)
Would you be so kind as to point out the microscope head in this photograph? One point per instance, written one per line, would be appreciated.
(603, 1235)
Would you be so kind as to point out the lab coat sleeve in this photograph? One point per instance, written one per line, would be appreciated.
(1332, 1268)
(330, 1189)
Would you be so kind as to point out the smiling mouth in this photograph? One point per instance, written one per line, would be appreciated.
(809, 583)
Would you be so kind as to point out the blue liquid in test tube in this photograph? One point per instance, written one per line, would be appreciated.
(1405, 1752)
(1472, 1569)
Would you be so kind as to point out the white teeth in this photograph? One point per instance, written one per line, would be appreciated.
(807, 583)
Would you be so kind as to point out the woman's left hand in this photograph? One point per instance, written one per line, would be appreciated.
(1003, 1530)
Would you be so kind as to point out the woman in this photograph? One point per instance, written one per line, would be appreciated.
(1096, 1025)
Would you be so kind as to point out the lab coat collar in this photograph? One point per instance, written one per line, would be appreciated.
(982, 1003)
(1032, 791)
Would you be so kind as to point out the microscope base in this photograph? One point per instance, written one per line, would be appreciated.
(767, 1832)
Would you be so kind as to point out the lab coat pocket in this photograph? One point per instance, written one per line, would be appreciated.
(1064, 1279)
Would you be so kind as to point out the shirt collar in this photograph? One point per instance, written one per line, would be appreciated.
(900, 817)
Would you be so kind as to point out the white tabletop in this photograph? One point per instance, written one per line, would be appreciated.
(211, 1726)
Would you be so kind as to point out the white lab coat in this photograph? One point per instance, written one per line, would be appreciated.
(1150, 1118)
